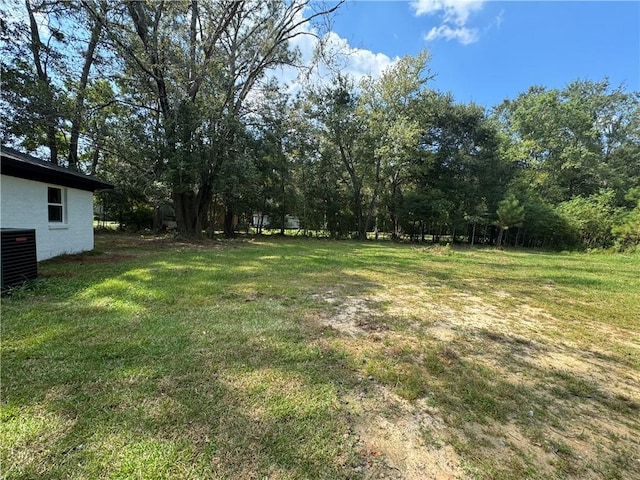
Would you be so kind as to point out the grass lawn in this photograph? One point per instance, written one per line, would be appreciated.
(294, 358)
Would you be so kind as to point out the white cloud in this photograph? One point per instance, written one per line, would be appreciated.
(453, 11)
(357, 62)
(462, 34)
(455, 15)
(500, 18)
(352, 61)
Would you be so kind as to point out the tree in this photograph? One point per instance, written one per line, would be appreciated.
(569, 140)
(32, 93)
(591, 217)
(79, 112)
(238, 183)
(196, 64)
(510, 214)
(276, 130)
(372, 129)
(46, 99)
(479, 216)
(393, 126)
(457, 163)
(335, 107)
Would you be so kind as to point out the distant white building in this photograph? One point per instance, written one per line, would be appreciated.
(55, 201)
(292, 222)
(260, 219)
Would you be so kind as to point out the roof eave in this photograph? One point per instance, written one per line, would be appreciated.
(17, 167)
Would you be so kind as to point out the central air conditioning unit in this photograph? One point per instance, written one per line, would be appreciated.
(18, 258)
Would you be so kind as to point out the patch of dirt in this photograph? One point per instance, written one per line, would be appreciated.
(589, 394)
(101, 258)
(396, 438)
(350, 315)
(400, 440)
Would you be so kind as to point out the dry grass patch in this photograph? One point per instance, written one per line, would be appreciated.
(496, 387)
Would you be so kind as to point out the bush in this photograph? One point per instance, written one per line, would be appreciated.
(592, 218)
(627, 229)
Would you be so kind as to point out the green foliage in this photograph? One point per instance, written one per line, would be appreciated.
(457, 168)
(544, 227)
(129, 207)
(510, 214)
(627, 228)
(569, 140)
(184, 109)
(592, 218)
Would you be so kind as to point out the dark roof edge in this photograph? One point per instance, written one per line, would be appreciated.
(22, 165)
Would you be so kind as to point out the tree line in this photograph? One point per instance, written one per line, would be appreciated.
(176, 102)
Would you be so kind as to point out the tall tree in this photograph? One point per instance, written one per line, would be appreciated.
(458, 169)
(569, 140)
(41, 54)
(32, 46)
(389, 109)
(338, 111)
(200, 78)
(372, 129)
(510, 214)
(277, 131)
(79, 112)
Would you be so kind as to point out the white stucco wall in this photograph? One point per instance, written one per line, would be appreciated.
(23, 204)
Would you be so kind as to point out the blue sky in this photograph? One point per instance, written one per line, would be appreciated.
(486, 51)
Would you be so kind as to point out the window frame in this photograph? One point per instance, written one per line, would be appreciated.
(62, 205)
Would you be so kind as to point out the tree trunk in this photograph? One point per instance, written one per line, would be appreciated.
(43, 78)
(357, 211)
(394, 225)
(393, 214)
(499, 241)
(192, 210)
(95, 158)
(229, 227)
(184, 205)
(374, 199)
(283, 213)
(78, 113)
(212, 217)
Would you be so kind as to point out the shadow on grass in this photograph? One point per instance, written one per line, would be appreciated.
(564, 413)
(192, 366)
(196, 362)
(509, 410)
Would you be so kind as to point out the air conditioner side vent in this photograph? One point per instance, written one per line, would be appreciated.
(18, 260)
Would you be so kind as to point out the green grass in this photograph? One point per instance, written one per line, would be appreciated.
(159, 359)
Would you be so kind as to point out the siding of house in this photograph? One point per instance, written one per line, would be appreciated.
(24, 205)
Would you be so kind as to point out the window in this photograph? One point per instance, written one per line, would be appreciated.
(55, 201)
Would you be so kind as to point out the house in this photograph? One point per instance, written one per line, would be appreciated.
(55, 201)
(262, 220)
